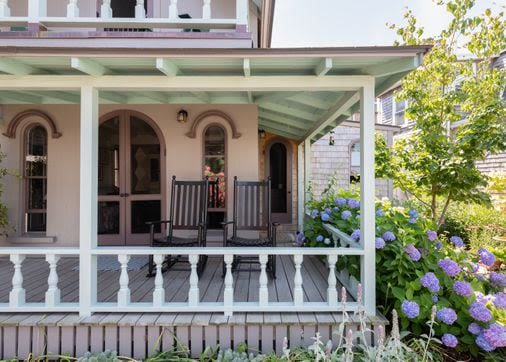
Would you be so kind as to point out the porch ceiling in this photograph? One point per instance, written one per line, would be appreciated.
(294, 114)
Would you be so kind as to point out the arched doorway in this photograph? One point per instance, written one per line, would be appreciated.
(131, 178)
(279, 167)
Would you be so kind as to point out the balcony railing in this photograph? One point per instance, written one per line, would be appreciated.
(38, 10)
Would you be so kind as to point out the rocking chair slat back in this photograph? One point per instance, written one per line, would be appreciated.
(188, 204)
(252, 205)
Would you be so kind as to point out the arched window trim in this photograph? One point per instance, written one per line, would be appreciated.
(213, 113)
(26, 178)
(20, 117)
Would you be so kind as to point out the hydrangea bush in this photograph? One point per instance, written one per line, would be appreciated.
(419, 269)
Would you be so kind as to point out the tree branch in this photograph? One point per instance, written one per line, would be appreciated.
(445, 208)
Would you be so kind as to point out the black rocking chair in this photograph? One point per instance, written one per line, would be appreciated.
(188, 211)
(252, 212)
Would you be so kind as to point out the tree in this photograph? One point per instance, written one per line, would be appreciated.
(435, 162)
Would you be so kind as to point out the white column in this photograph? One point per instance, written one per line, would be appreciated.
(88, 200)
(159, 292)
(300, 188)
(241, 9)
(332, 281)
(140, 12)
(173, 12)
(5, 11)
(193, 293)
(36, 9)
(263, 292)
(367, 185)
(72, 9)
(206, 9)
(228, 293)
(307, 169)
(53, 293)
(298, 293)
(105, 9)
(17, 296)
(124, 290)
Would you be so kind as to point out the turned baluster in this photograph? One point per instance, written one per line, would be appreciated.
(263, 292)
(173, 12)
(124, 290)
(332, 281)
(140, 12)
(228, 294)
(72, 9)
(17, 294)
(52, 293)
(206, 9)
(105, 9)
(159, 292)
(193, 293)
(5, 11)
(298, 294)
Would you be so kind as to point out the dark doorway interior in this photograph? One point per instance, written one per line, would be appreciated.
(278, 178)
(125, 8)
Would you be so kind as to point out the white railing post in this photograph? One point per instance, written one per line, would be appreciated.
(140, 12)
(298, 293)
(228, 293)
(367, 192)
(5, 11)
(105, 9)
(88, 200)
(206, 9)
(36, 9)
(72, 9)
(263, 292)
(17, 296)
(193, 293)
(173, 12)
(241, 10)
(332, 281)
(52, 293)
(124, 290)
(159, 292)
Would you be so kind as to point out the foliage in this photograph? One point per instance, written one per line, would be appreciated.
(106, 356)
(4, 220)
(435, 159)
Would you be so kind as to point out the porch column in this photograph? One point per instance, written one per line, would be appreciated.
(88, 200)
(307, 170)
(300, 187)
(367, 207)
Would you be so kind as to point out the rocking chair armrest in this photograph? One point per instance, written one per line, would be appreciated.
(159, 222)
(225, 223)
(225, 230)
(151, 225)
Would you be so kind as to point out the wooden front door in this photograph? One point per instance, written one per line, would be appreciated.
(130, 179)
(279, 168)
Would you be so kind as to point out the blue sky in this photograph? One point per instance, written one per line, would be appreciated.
(317, 23)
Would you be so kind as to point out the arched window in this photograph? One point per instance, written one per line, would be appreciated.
(35, 178)
(355, 162)
(215, 169)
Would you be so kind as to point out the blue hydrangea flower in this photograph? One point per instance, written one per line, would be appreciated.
(500, 300)
(314, 214)
(353, 204)
(379, 243)
(319, 238)
(325, 217)
(480, 312)
(495, 335)
(355, 235)
(410, 309)
(413, 252)
(449, 340)
(380, 212)
(340, 201)
(346, 214)
(447, 316)
(300, 238)
(450, 267)
(413, 213)
(439, 245)
(463, 289)
(412, 221)
(431, 282)
(457, 241)
(435, 299)
(431, 235)
(498, 279)
(336, 209)
(357, 217)
(483, 344)
(326, 241)
(388, 236)
(474, 328)
(486, 257)
(328, 210)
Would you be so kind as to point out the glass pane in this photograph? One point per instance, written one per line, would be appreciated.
(36, 222)
(214, 141)
(37, 193)
(144, 211)
(214, 167)
(108, 158)
(108, 217)
(36, 152)
(145, 158)
(277, 159)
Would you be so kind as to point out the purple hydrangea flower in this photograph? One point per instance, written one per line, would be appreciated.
(355, 235)
(498, 279)
(486, 257)
(380, 212)
(319, 238)
(482, 342)
(325, 217)
(328, 210)
(431, 282)
(482, 298)
(480, 312)
(340, 201)
(346, 214)
(412, 221)
(474, 266)
(474, 328)
(450, 267)
(495, 335)
(413, 252)
(410, 309)
(462, 288)
(449, 340)
(379, 243)
(353, 204)
(447, 316)
(300, 238)
(314, 213)
(439, 245)
(434, 299)
(413, 213)
(500, 300)
(457, 241)
(431, 235)
(388, 236)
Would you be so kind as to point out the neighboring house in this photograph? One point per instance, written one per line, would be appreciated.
(102, 102)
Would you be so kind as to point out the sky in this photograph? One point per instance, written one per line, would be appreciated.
(320, 23)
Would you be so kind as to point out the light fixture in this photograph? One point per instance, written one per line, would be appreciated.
(182, 116)
(261, 133)
(331, 138)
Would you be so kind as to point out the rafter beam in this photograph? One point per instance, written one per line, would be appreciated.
(20, 97)
(229, 99)
(285, 120)
(113, 97)
(250, 97)
(66, 97)
(393, 67)
(246, 67)
(15, 67)
(282, 131)
(323, 67)
(281, 124)
(167, 67)
(88, 66)
(274, 96)
(310, 100)
(289, 111)
(202, 96)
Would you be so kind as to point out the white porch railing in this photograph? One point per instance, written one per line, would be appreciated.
(18, 303)
(38, 10)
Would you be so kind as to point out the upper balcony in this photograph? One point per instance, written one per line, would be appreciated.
(122, 23)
